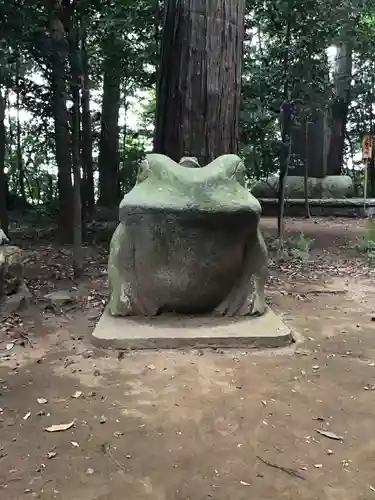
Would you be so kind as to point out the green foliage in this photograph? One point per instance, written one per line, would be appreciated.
(366, 243)
(301, 246)
(126, 32)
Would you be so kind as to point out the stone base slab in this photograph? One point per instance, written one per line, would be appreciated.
(176, 332)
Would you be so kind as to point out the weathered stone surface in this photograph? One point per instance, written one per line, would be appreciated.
(60, 298)
(11, 269)
(333, 186)
(3, 237)
(177, 332)
(188, 242)
(13, 290)
(337, 186)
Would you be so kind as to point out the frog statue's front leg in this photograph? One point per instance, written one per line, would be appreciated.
(247, 296)
(125, 297)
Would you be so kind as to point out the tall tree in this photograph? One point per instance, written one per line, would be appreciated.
(3, 179)
(58, 61)
(340, 107)
(75, 67)
(88, 170)
(199, 87)
(108, 162)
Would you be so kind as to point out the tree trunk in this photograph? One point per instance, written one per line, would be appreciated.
(3, 177)
(58, 59)
(108, 161)
(286, 125)
(306, 172)
(20, 165)
(199, 85)
(88, 170)
(340, 108)
(77, 206)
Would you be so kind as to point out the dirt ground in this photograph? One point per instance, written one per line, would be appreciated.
(197, 425)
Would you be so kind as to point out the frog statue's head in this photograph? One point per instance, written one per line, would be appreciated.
(217, 187)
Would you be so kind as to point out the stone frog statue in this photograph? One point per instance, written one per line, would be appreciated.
(188, 242)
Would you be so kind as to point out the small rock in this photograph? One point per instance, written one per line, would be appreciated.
(51, 454)
(128, 456)
(89, 471)
(42, 401)
(103, 419)
(318, 466)
(96, 373)
(61, 297)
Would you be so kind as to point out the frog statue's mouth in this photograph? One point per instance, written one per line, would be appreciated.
(164, 185)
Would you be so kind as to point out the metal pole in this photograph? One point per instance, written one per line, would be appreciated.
(365, 185)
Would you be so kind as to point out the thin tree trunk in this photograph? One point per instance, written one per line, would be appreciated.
(3, 177)
(286, 129)
(108, 161)
(340, 108)
(199, 85)
(20, 164)
(77, 205)
(89, 198)
(59, 55)
(123, 182)
(306, 171)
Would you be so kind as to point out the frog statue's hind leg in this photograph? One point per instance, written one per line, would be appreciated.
(247, 296)
(125, 299)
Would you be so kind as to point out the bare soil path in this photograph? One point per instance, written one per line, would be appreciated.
(198, 425)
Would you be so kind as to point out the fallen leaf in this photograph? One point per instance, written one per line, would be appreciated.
(264, 403)
(77, 394)
(9, 346)
(89, 471)
(318, 466)
(329, 435)
(60, 427)
(151, 367)
(75, 444)
(244, 483)
(42, 401)
(372, 488)
(51, 454)
(27, 415)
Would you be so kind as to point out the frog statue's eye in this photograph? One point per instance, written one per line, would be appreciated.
(143, 171)
(240, 173)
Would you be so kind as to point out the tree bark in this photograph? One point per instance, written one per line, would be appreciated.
(108, 161)
(340, 108)
(199, 85)
(3, 177)
(306, 170)
(88, 170)
(20, 164)
(58, 59)
(77, 204)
